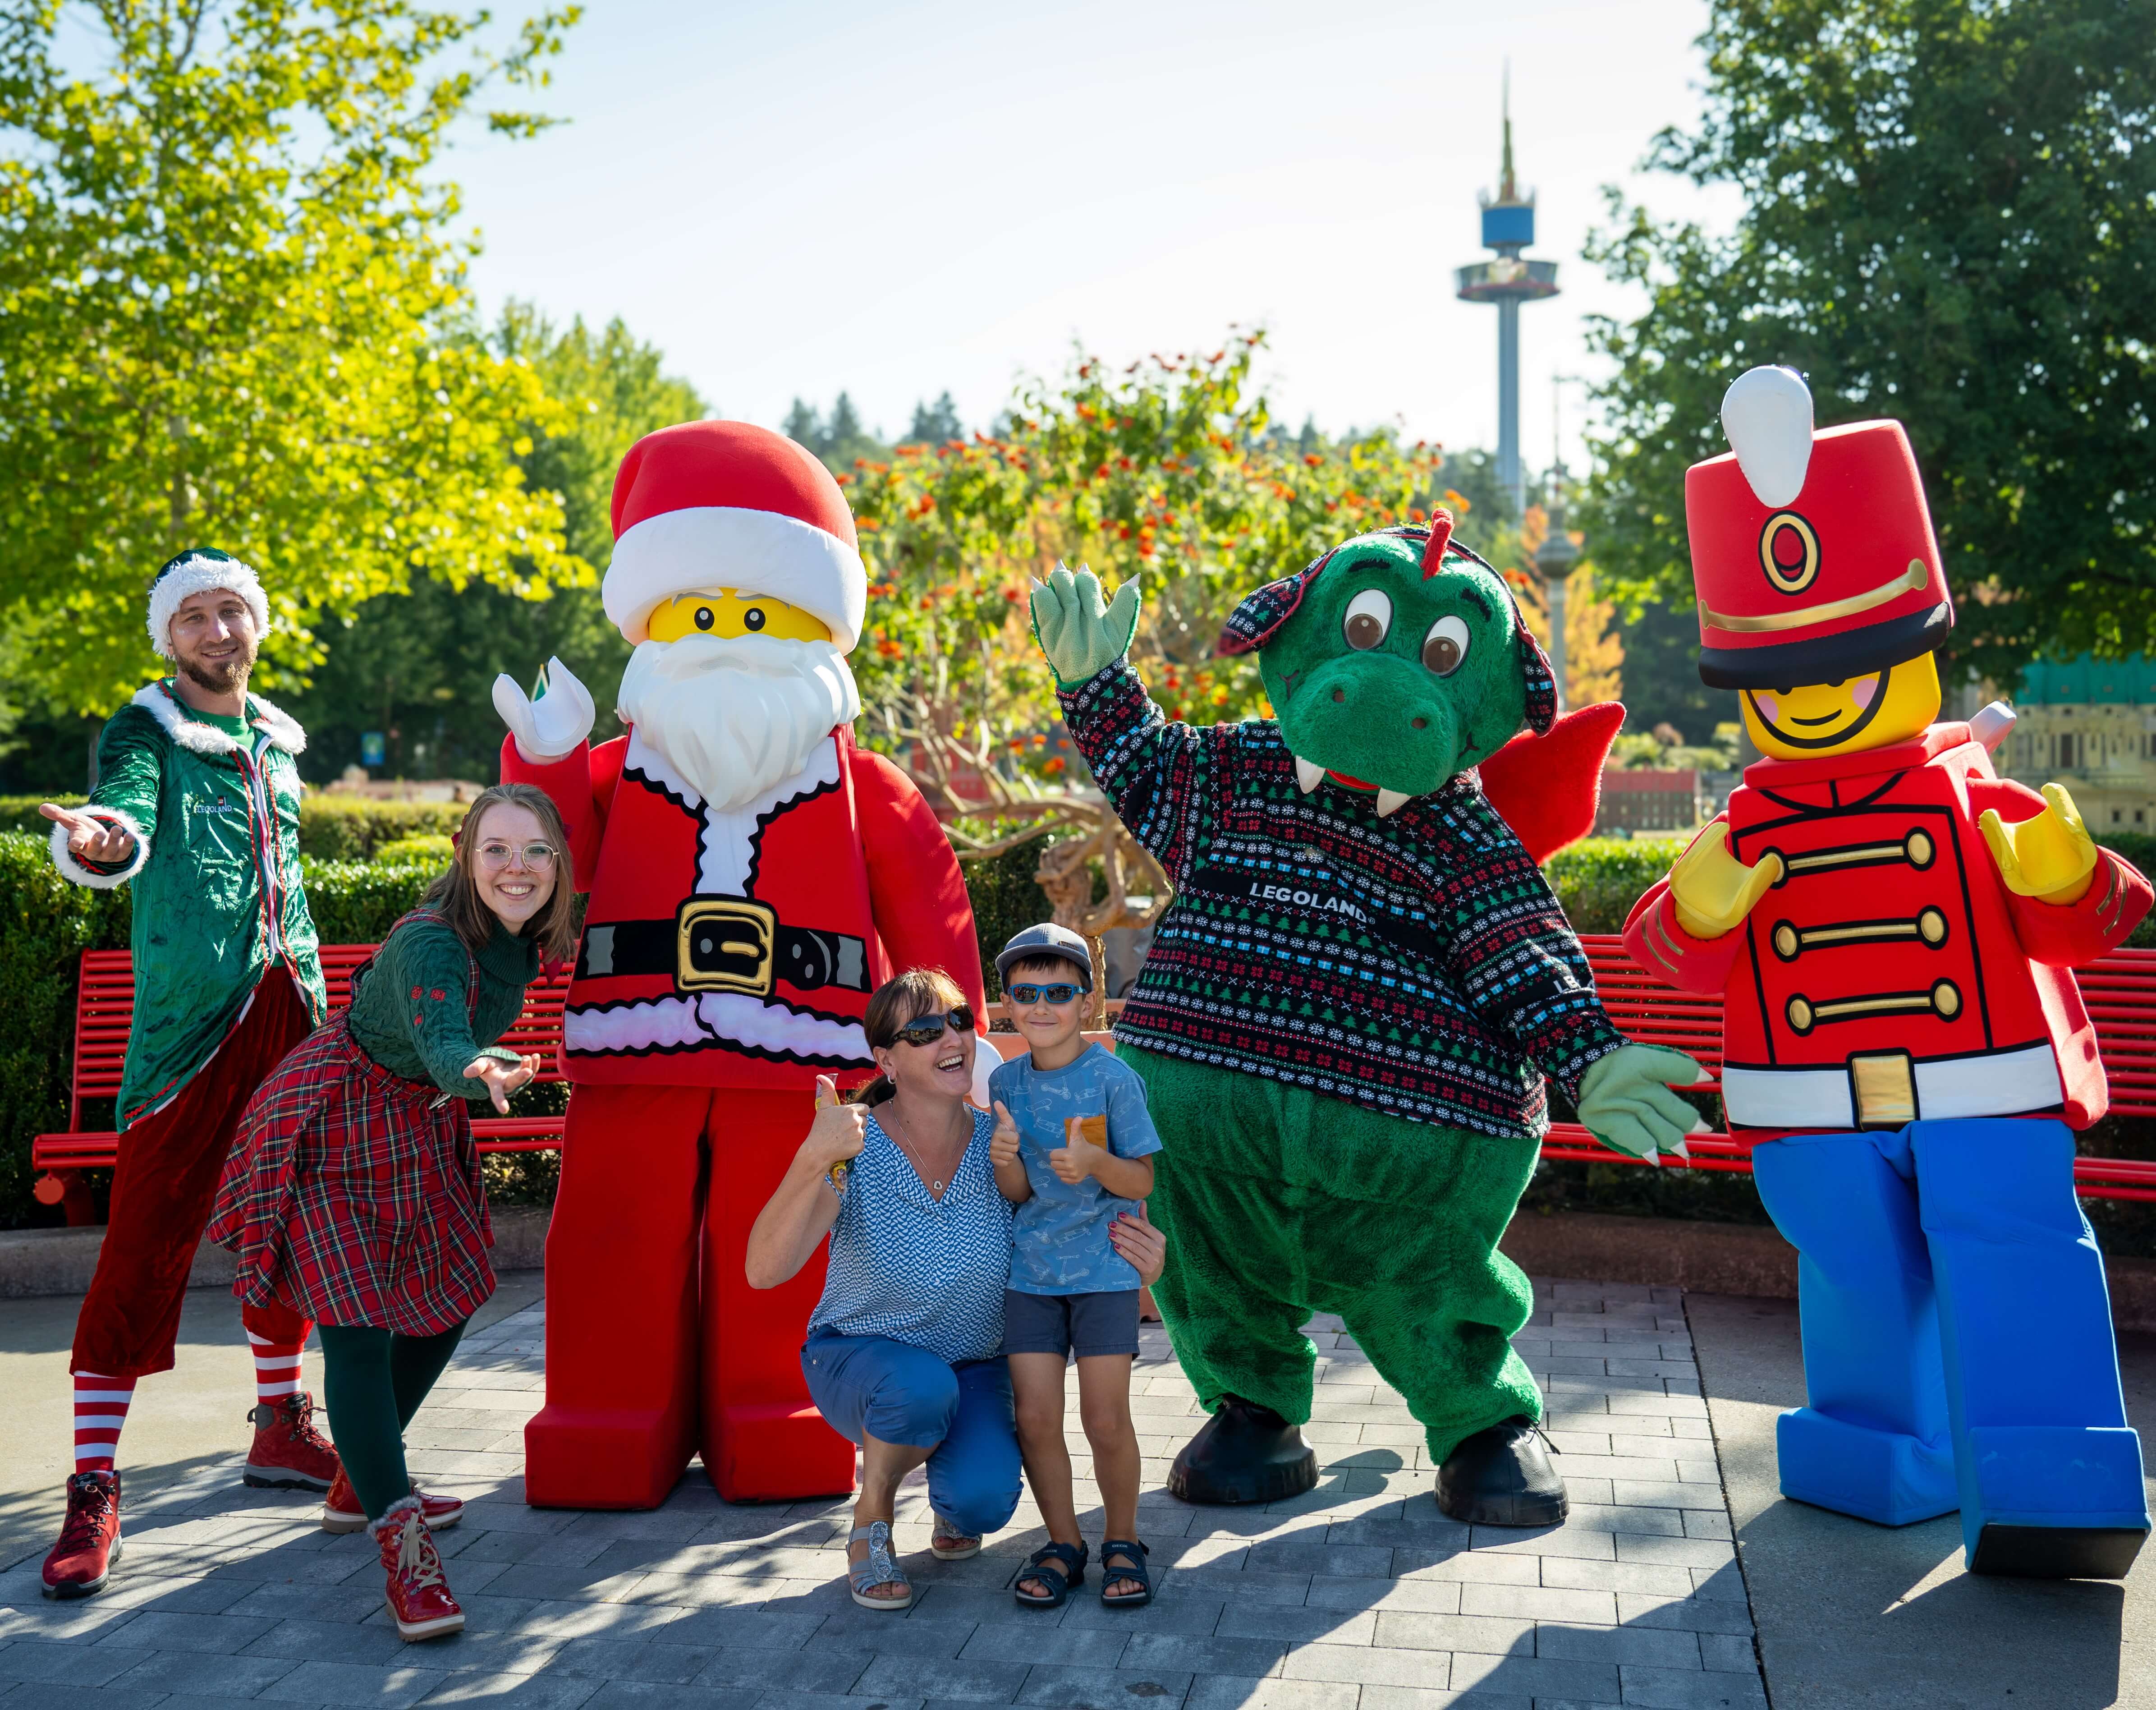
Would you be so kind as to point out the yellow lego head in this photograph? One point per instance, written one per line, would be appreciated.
(1845, 717)
(728, 611)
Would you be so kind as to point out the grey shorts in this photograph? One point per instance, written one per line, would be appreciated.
(1079, 1324)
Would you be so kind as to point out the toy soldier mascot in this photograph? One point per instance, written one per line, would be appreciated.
(1891, 926)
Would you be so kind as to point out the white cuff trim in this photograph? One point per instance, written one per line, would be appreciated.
(70, 868)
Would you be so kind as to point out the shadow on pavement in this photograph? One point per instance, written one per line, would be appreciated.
(1853, 1615)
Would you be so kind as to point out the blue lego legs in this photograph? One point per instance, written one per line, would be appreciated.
(1951, 1293)
(1875, 1441)
(2049, 1470)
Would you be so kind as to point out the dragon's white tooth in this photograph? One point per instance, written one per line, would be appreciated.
(1391, 801)
(1308, 773)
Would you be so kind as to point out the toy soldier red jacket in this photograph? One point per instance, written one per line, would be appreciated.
(738, 948)
(1891, 977)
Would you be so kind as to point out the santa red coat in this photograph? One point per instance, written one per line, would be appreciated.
(1891, 972)
(738, 948)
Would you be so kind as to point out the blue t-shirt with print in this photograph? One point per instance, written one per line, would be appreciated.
(1059, 1236)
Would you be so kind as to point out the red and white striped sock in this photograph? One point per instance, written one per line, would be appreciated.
(100, 1409)
(276, 1370)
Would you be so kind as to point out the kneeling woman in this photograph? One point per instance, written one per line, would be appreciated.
(904, 1349)
(353, 1194)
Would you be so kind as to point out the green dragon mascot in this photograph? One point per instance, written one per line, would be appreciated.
(1348, 1014)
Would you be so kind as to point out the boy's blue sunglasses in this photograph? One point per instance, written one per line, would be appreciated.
(1058, 993)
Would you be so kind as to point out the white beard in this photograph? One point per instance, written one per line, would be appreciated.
(735, 715)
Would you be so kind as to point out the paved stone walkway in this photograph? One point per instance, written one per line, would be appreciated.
(1359, 1596)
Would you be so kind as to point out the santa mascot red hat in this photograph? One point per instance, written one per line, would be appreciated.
(712, 505)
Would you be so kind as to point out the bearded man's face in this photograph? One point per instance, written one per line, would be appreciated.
(734, 716)
(213, 640)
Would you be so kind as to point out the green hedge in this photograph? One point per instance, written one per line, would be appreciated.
(332, 828)
(45, 922)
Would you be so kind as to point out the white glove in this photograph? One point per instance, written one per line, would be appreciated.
(986, 1058)
(553, 726)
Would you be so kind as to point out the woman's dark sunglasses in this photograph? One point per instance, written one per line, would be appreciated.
(927, 1030)
(1029, 995)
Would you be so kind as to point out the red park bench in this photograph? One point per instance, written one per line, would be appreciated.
(2120, 991)
(104, 1010)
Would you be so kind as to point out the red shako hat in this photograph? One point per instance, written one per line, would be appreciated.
(709, 505)
(1812, 553)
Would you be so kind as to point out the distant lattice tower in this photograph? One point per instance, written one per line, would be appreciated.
(1508, 227)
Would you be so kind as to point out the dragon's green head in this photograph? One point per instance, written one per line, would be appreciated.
(1394, 662)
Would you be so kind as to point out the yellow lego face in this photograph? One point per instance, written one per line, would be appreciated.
(1846, 717)
(724, 612)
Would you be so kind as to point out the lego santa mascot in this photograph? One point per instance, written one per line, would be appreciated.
(753, 877)
(1891, 926)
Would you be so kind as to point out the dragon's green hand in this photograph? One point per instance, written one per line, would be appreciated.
(1625, 1101)
(1081, 634)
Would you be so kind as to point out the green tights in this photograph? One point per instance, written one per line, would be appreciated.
(373, 1381)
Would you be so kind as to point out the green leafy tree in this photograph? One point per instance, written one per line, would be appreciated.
(1949, 218)
(419, 666)
(231, 313)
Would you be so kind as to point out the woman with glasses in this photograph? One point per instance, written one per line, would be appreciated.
(353, 1194)
(903, 1355)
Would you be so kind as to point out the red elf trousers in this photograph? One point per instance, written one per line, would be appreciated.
(657, 1347)
(162, 1187)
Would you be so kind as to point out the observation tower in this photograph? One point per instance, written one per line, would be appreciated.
(1508, 227)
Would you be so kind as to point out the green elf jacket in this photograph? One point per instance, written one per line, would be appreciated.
(214, 804)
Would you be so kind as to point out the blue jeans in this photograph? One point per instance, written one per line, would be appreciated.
(871, 1386)
(1957, 1330)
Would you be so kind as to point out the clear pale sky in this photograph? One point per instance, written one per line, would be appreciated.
(897, 198)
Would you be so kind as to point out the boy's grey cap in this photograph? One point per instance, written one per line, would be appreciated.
(1046, 939)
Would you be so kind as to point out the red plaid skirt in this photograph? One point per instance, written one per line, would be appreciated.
(349, 1199)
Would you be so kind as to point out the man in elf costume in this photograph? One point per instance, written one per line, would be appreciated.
(753, 877)
(197, 805)
(1346, 1019)
(1892, 925)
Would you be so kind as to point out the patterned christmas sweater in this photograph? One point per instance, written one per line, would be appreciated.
(1417, 964)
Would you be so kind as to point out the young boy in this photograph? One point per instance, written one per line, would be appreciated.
(1070, 1293)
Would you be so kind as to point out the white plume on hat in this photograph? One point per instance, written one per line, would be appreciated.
(1766, 413)
(198, 573)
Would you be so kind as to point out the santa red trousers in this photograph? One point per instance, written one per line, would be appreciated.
(657, 1348)
(162, 1187)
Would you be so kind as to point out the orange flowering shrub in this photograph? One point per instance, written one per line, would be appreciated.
(1169, 470)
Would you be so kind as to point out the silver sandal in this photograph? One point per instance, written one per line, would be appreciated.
(877, 1569)
(949, 1544)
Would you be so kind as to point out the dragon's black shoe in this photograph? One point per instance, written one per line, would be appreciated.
(2057, 1552)
(1246, 1453)
(1502, 1476)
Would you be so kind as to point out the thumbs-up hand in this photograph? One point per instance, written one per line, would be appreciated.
(840, 1130)
(1002, 1144)
(90, 839)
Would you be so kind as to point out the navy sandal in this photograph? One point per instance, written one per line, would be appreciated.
(1135, 1554)
(1057, 1564)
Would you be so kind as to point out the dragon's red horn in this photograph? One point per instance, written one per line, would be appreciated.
(1440, 535)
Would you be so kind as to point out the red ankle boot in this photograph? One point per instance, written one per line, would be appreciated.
(342, 1511)
(417, 1595)
(89, 1536)
(290, 1453)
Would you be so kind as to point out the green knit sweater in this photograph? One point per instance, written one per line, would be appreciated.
(410, 1012)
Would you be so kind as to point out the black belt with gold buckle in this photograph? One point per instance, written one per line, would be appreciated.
(724, 944)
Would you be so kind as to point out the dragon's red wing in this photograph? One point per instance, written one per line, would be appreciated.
(1547, 787)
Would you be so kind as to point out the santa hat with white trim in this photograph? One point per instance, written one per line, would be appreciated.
(198, 570)
(712, 505)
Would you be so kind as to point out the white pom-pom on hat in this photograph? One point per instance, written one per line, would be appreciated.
(1766, 413)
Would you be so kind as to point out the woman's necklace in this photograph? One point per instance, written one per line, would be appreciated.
(907, 1145)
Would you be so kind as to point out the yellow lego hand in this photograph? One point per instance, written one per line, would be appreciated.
(2052, 857)
(1712, 889)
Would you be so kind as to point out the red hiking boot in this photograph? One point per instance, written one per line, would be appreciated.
(342, 1511)
(89, 1536)
(290, 1454)
(417, 1595)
